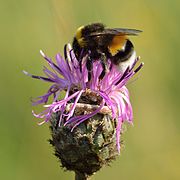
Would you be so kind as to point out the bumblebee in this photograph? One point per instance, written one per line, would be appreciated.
(101, 43)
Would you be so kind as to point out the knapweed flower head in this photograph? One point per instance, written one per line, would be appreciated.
(108, 95)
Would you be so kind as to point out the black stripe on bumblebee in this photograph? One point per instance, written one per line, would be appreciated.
(101, 43)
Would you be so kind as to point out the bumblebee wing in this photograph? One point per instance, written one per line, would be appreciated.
(123, 31)
(116, 31)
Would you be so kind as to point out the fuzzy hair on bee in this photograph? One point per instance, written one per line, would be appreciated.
(101, 43)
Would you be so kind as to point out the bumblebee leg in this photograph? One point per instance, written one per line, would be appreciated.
(89, 67)
(104, 65)
(80, 65)
(65, 51)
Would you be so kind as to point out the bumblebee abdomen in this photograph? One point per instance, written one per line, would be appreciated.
(124, 54)
(117, 44)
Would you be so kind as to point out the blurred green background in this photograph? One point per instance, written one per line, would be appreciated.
(152, 146)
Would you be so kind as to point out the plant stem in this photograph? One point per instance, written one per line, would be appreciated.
(81, 176)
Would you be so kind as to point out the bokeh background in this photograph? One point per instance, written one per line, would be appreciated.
(152, 146)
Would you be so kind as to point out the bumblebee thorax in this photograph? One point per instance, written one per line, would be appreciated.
(79, 32)
(79, 37)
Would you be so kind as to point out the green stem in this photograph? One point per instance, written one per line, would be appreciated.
(81, 176)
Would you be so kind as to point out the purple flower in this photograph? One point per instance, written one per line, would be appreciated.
(109, 94)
